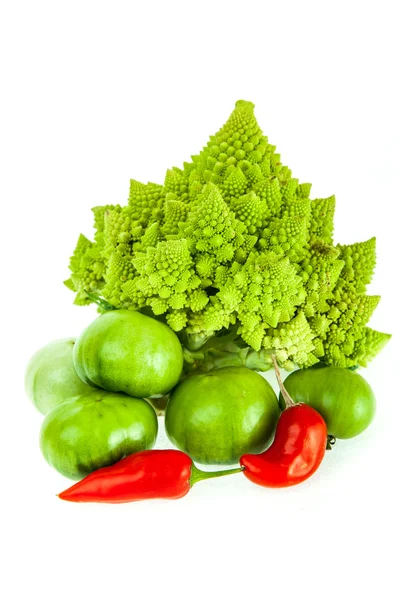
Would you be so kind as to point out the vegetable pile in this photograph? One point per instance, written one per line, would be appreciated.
(234, 256)
(227, 269)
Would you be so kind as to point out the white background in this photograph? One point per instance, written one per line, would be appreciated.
(94, 93)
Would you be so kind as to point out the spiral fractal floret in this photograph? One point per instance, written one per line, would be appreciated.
(235, 257)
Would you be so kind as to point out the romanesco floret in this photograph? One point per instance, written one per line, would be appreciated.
(211, 228)
(233, 254)
(146, 202)
(292, 343)
(165, 276)
(250, 210)
(87, 266)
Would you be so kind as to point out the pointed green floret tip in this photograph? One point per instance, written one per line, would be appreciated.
(236, 257)
(245, 104)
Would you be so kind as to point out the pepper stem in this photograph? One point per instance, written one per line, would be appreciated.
(288, 400)
(197, 475)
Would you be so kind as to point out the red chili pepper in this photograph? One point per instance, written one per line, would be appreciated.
(141, 476)
(297, 450)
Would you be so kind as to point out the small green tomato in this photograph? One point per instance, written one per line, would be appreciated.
(126, 351)
(96, 430)
(217, 416)
(50, 376)
(342, 397)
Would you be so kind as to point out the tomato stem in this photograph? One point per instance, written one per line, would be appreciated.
(288, 400)
(331, 441)
(197, 475)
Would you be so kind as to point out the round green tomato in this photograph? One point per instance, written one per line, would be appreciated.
(342, 397)
(217, 416)
(50, 376)
(96, 430)
(126, 351)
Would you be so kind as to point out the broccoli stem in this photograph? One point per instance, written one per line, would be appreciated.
(224, 351)
(103, 305)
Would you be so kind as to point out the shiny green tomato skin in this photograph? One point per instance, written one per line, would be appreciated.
(96, 430)
(50, 377)
(126, 351)
(342, 397)
(218, 416)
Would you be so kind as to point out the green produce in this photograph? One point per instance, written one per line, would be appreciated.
(217, 416)
(96, 430)
(126, 351)
(342, 397)
(234, 255)
(50, 376)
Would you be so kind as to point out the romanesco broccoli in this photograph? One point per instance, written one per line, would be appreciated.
(231, 252)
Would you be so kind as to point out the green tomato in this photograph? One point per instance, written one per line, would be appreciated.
(96, 430)
(342, 397)
(50, 376)
(126, 351)
(217, 416)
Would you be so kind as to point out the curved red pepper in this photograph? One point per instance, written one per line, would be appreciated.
(298, 447)
(296, 452)
(140, 476)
